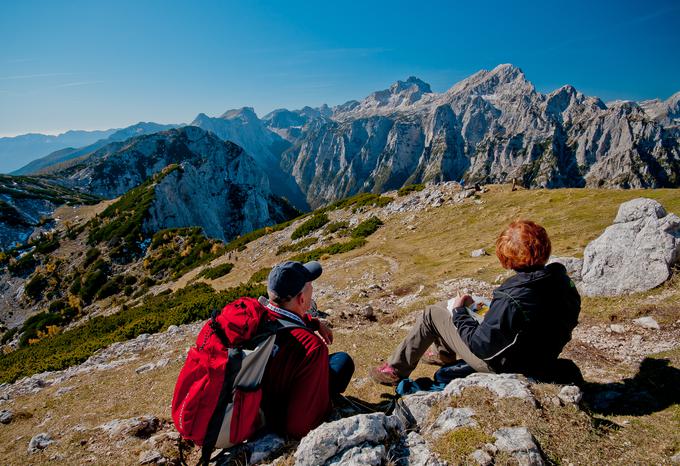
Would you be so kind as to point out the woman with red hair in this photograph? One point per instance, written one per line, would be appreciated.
(529, 321)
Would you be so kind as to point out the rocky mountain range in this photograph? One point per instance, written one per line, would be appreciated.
(492, 127)
(19, 150)
(53, 160)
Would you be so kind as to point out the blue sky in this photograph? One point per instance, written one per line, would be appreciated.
(96, 64)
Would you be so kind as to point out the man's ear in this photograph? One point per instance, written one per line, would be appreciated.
(299, 299)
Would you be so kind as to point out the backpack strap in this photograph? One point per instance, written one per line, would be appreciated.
(234, 362)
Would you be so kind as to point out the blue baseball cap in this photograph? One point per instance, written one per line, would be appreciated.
(288, 278)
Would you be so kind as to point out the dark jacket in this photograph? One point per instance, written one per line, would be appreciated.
(529, 321)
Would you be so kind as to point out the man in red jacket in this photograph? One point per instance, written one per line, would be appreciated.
(300, 377)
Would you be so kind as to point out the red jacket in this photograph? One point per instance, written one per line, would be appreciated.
(295, 394)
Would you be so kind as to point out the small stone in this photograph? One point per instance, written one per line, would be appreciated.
(367, 312)
(570, 394)
(162, 362)
(453, 418)
(481, 457)
(173, 329)
(6, 416)
(478, 253)
(617, 328)
(647, 322)
(490, 448)
(39, 442)
(675, 459)
(150, 457)
(64, 390)
(637, 340)
(145, 368)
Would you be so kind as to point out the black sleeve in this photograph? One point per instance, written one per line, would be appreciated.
(497, 332)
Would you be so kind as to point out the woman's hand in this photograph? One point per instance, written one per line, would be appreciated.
(325, 332)
(462, 301)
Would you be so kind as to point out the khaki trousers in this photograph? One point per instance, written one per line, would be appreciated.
(434, 325)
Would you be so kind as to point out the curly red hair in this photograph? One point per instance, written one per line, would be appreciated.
(523, 245)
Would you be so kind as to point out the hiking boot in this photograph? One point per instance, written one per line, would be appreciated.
(385, 375)
(435, 358)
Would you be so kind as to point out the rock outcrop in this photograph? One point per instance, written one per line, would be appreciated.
(373, 439)
(26, 203)
(217, 186)
(634, 254)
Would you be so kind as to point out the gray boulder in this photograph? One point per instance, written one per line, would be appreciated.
(570, 394)
(502, 385)
(420, 404)
(419, 452)
(362, 455)
(453, 418)
(39, 442)
(647, 322)
(634, 254)
(519, 442)
(6, 416)
(331, 440)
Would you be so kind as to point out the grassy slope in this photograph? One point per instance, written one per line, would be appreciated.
(437, 250)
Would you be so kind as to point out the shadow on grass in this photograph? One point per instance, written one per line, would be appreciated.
(654, 388)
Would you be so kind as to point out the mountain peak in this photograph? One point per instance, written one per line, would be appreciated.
(412, 84)
(245, 113)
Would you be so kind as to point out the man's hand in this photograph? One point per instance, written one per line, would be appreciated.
(462, 301)
(325, 332)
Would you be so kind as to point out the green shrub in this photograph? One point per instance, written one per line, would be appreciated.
(216, 272)
(90, 256)
(23, 266)
(93, 280)
(260, 276)
(336, 226)
(38, 323)
(35, 286)
(367, 227)
(337, 248)
(175, 251)
(113, 286)
(294, 247)
(8, 335)
(239, 244)
(403, 191)
(74, 346)
(360, 200)
(47, 244)
(310, 225)
(57, 306)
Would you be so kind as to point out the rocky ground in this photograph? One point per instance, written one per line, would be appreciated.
(114, 408)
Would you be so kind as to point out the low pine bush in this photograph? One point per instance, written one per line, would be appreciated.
(367, 227)
(260, 276)
(337, 248)
(409, 188)
(294, 247)
(216, 272)
(312, 224)
(157, 313)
